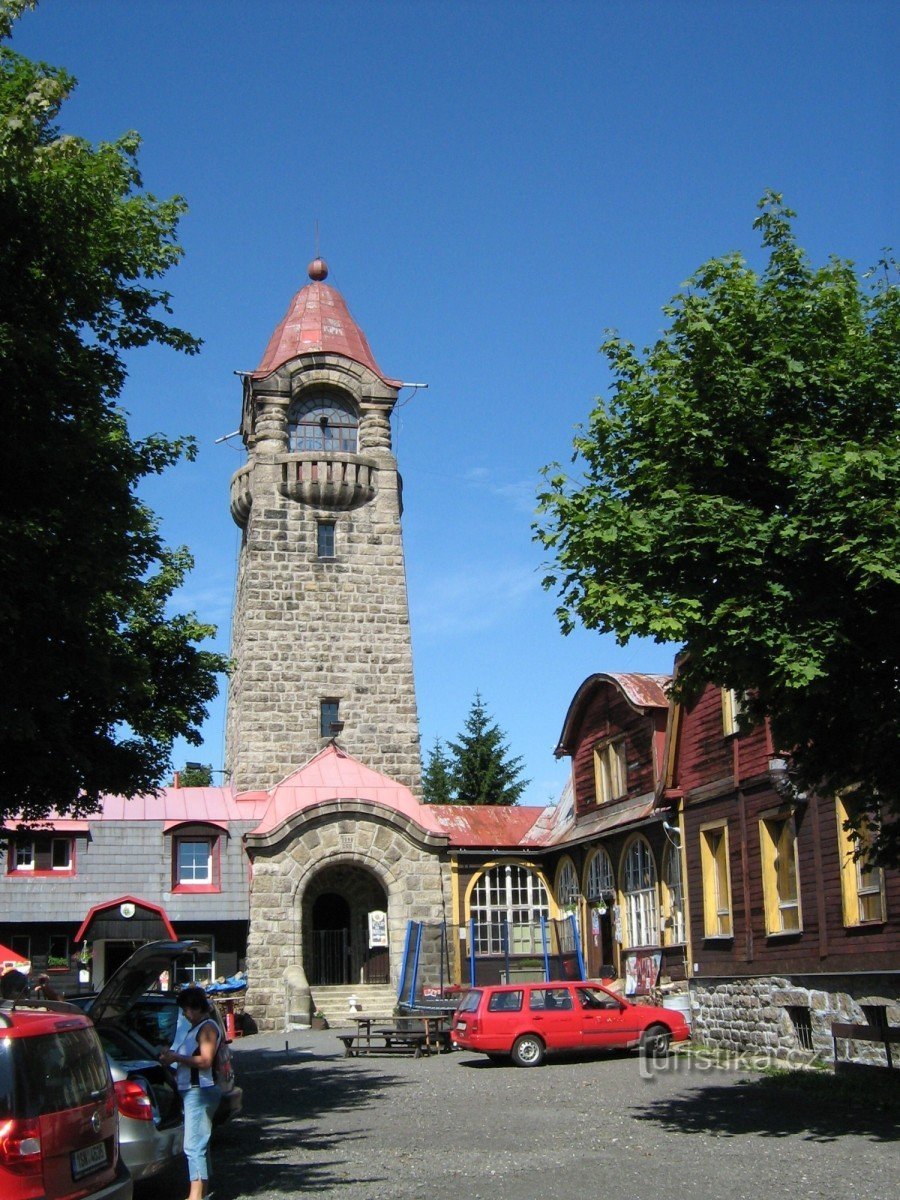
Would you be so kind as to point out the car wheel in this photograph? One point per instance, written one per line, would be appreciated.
(528, 1051)
(655, 1041)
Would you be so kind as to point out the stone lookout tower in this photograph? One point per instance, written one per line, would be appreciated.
(321, 640)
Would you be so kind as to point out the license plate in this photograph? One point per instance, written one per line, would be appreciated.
(461, 1026)
(90, 1158)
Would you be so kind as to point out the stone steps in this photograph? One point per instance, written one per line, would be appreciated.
(374, 1000)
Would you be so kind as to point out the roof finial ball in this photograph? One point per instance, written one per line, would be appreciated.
(318, 270)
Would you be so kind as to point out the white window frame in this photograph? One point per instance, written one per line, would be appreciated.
(24, 861)
(514, 894)
(183, 879)
(187, 969)
(567, 891)
(673, 883)
(601, 878)
(640, 893)
(70, 854)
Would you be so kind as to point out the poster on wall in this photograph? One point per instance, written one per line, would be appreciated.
(377, 929)
(641, 972)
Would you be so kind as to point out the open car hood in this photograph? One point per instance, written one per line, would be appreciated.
(135, 977)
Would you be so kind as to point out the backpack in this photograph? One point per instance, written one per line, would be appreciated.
(222, 1067)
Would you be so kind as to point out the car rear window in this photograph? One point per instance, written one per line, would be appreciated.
(547, 998)
(470, 1001)
(505, 1002)
(51, 1072)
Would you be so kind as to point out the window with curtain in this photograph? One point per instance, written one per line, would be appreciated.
(640, 895)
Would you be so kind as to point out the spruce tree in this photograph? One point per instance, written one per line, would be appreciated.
(483, 773)
(437, 778)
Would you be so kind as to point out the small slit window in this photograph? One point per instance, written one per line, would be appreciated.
(325, 541)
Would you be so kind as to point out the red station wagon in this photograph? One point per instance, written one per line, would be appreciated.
(58, 1119)
(525, 1021)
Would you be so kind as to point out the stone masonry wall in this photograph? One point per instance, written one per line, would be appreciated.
(409, 872)
(307, 630)
(753, 1015)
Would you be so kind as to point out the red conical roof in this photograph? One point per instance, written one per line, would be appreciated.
(318, 320)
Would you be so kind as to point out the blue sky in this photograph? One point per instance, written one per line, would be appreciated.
(495, 185)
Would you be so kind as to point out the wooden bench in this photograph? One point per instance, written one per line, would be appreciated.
(384, 1041)
(885, 1035)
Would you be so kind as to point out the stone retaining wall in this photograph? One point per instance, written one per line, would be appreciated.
(754, 1015)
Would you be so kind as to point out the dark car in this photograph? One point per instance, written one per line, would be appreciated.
(58, 1121)
(135, 1023)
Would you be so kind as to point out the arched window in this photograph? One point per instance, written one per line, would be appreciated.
(600, 880)
(641, 906)
(322, 424)
(566, 885)
(508, 901)
(674, 894)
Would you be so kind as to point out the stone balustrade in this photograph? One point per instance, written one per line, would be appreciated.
(338, 481)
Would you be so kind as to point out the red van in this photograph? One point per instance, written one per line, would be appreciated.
(58, 1119)
(526, 1021)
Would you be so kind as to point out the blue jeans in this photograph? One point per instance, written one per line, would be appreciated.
(200, 1103)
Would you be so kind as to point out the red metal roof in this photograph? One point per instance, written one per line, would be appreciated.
(641, 691)
(319, 321)
(485, 826)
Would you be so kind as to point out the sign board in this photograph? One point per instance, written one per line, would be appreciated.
(377, 929)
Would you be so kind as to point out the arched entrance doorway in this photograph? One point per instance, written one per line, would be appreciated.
(336, 928)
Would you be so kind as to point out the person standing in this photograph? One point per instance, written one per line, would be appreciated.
(193, 1053)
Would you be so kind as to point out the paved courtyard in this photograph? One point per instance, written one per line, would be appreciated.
(454, 1127)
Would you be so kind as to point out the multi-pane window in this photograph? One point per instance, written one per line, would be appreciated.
(676, 929)
(42, 854)
(601, 880)
(328, 716)
(198, 966)
(716, 881)
(567, 885)
(862, 884)
(194, 861)
(508, 902)
(609, 771)
(778, 844)
(322, 424)
(641, 904)
(24, 858)
(325, 539)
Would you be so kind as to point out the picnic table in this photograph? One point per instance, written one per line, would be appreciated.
(417, 1035)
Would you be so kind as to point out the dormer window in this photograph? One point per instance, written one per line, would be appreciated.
(196, 852)
(609, 771)
(322, 424)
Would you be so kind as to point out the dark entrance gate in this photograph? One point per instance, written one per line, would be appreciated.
(331, 940)
(338, 910)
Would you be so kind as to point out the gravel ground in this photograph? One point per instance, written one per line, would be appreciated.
(455, 1127)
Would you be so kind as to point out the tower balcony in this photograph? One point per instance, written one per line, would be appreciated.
(328, 480)
(241, 495)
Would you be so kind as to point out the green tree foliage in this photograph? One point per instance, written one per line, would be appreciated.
(195, 775)
(482, 771)
(739, 494)
(99, 677)
(437, 778)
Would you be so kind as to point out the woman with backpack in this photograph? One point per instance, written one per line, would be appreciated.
(193, 1054)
